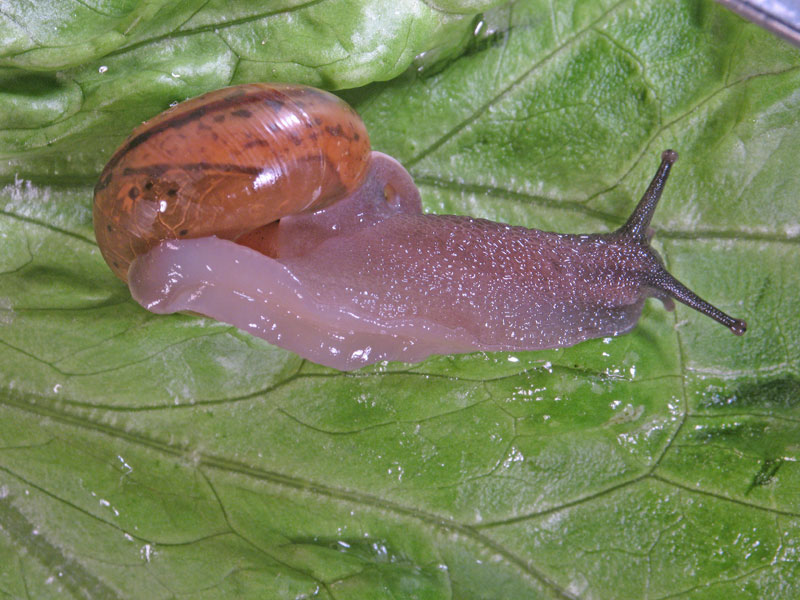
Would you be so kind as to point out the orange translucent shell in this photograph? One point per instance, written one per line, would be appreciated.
(226, 163)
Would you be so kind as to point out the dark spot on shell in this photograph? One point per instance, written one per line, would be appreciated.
(219, 118)
(314, 94)
(336, 131)
(274, 104)
(189, 117)
(235, 95)
(257, 143)
(242, 113)
(183, 231)
(133, 193)
(116, 264)
(356, 137)
(148, 185)
(172, 192)
(108, 227)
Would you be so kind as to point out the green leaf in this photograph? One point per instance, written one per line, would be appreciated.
(124, 62)
(163, 456)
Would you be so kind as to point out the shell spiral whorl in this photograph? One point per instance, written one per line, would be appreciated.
(185, 173)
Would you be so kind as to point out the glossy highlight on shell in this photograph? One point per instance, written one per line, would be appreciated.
(284, 224)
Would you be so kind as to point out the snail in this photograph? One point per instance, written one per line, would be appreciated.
(263, 206)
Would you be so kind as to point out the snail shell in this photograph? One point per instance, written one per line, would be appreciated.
(262, 206)
(224, 163)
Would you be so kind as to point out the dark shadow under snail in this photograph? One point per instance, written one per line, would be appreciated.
(262, 206)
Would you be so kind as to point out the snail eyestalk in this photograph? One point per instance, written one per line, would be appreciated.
(639, 221)
(660, 279)
(666, 283)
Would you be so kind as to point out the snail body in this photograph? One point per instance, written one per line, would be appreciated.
(348, 271)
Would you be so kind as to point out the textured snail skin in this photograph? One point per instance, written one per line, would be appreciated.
(368, 277)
